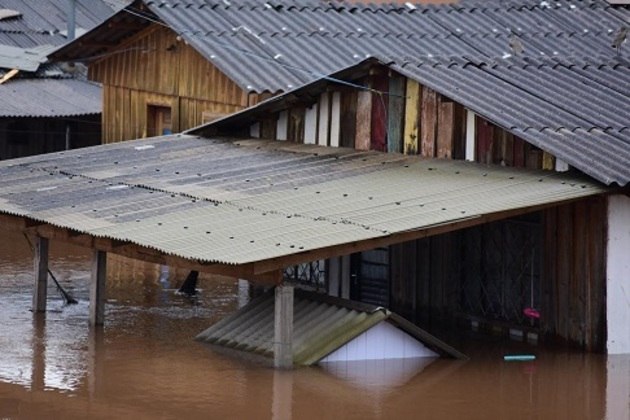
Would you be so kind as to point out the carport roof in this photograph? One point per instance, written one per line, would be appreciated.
(272, 204)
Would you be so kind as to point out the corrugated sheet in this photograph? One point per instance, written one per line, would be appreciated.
(238, 202)
(575, 112)
(49, 98)
(48, 18)
(24, 59)
(312, 39)
(321, 325)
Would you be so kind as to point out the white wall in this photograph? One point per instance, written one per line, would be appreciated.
(382, 341)
(618, 387)
(618, 275)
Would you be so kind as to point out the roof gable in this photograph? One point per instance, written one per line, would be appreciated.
(323, 324)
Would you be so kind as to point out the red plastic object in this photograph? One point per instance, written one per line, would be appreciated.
(531, 313)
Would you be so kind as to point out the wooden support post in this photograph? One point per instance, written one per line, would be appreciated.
(283, 327)
(364, 120)
(41, 274)
(411, 131)
(97, 288)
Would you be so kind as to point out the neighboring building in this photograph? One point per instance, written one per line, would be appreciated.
(167, 66)
(44, 107)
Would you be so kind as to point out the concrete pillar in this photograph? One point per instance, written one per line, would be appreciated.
(617, 275)
(97, 288)
(41, 274)
(283, 327)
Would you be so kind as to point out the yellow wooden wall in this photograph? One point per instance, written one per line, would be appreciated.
(155, 68)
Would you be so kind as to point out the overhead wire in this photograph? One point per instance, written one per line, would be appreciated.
(317, 75)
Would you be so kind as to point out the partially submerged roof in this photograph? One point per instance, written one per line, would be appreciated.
(277, 45)
(265, 204)
(49, 98)
(321, 325)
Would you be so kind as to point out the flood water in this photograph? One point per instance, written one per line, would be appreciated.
(144, 363)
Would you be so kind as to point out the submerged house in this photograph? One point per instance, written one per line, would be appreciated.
(515, 215)
(45, 107)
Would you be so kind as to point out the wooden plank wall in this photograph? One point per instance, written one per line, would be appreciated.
(427, 276)
(154, 68)
(574, 301)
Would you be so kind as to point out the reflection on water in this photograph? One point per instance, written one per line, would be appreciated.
(145, 364)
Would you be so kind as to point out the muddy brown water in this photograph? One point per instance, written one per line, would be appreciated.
(145, 364)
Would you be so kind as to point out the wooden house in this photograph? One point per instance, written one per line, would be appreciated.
(564, 261)
(167, 66)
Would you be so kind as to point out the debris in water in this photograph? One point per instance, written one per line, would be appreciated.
(519, 357)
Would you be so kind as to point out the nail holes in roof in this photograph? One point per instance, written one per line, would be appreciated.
(398, 203)
(406, 166)
(443, 208)
(292, 246)
(137, 220)
(301, 247)
(173, 195)
(72, 206)
(231, 237)
(115, 162)
(252, 241)
(247, 180)
(456, 172)
(370, 198)
(317, 192)
(463, 211)
(176, 172)
(185, 227)
(345, 195)
(208, 232)
(157, 169)
(278, 244)
(159, 224)
(511, 177)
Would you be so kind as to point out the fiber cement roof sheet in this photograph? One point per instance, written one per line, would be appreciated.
(49, 98)
(321, 325)
(244, 201)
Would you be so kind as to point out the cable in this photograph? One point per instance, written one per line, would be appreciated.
(66, 296)
(140, 14)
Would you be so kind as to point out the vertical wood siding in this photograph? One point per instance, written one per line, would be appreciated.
(155, 68)
(575, 274)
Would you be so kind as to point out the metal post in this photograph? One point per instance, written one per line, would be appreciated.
(283, 327)
(67, 136)
(41, 274)
(71, 19)
(97, 288)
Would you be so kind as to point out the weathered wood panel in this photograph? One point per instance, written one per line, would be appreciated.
(428, 122)
(574, 305)
(485, 140)
(412, 115)
(348, 117)
(155, 62)
(445, 130)
(396, 113)
(379, 122)
(363, 120)
(296, 124)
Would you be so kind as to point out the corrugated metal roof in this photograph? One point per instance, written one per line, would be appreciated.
(25, 59)
(321, 325)
(49, 98)
(267, 46)
(48, 18)
(238, 202)
(575, 112)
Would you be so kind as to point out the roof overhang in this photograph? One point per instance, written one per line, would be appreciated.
(104, 38)
(251, 207)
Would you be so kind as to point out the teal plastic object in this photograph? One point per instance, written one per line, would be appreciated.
(519, 357)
